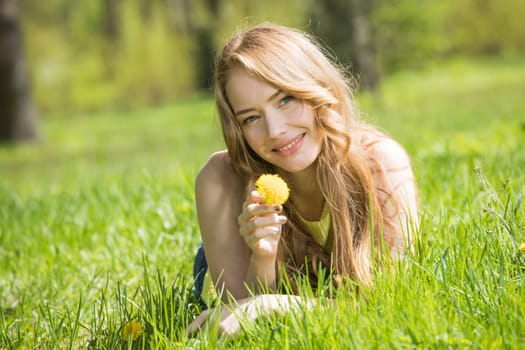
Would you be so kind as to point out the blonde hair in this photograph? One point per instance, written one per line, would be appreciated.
(296, 63)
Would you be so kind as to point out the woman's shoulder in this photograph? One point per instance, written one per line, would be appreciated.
(218, 176)
(383, 152)
(218, 163)
(395, 183)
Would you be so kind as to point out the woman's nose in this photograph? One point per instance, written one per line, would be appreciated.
(276, 124)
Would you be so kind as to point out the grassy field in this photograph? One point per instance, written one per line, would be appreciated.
(97, 226)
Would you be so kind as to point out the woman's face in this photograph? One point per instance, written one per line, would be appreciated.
(279, 128)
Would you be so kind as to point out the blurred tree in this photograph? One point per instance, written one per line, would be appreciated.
(486, 27)
(180, 13)
(111, 19)
(199, 20)
(111, 32)
(346, 27)
(363, 43)
(410, 33)
(17, 112)
(146, 10)
(204, 54)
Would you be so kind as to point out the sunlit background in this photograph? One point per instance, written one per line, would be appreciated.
(97, 215)
(90, 55)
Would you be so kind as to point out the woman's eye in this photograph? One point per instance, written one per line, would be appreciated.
(284, 101)
(250, 119)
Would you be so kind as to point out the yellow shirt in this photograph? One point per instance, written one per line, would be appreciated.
(319, 230)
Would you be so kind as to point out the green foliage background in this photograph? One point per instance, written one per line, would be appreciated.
(158, 55)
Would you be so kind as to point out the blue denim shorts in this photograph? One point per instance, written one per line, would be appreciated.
(200, 267)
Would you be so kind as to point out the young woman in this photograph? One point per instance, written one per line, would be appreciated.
(287, 108)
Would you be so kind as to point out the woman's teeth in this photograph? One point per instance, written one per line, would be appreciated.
(289, 146)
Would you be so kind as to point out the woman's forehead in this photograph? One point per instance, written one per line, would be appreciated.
(244, 90)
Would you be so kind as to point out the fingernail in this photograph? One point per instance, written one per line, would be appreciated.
(282, 219)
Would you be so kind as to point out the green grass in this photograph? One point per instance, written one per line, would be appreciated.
(97, 226)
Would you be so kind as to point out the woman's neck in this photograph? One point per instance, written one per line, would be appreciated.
(305, 193)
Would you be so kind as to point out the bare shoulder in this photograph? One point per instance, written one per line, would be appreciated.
(218, 174)
(396, 189)
(217, 163)
(389, 162)
(385, 153)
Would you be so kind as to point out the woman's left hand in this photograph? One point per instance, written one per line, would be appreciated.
(228, 317)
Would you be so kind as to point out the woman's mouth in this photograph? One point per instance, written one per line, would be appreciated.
(290, 147)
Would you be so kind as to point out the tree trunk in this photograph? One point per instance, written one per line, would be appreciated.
(17, 112)
(111, 20)
(180, 15)
(202, 32)
(111, 32)
(364, 50)
(146, 10)
(346, 27)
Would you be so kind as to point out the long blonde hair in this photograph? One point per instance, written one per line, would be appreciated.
(296, 63)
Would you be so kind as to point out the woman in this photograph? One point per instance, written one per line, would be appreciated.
(286, 108)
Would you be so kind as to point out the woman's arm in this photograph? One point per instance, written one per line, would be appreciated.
(240, 234)
(397, 193)
(228, 318)
(218, 196)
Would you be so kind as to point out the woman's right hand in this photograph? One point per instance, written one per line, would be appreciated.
(260, 225)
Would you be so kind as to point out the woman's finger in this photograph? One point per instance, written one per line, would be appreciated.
(257, 209)
(259, 222)
(266, 239)
(253, 197)
(269, 231)
(254, 209)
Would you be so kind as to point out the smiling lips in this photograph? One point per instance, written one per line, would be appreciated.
(291, 147)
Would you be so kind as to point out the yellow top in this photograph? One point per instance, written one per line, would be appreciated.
(319, 230)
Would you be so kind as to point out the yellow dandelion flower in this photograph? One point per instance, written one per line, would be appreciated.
(132, 330)
(521, 247)
(272, 188)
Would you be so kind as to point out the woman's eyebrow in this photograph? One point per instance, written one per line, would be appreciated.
(246, 110)
(277, 92)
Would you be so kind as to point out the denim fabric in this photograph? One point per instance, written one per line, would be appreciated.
(200, 267)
